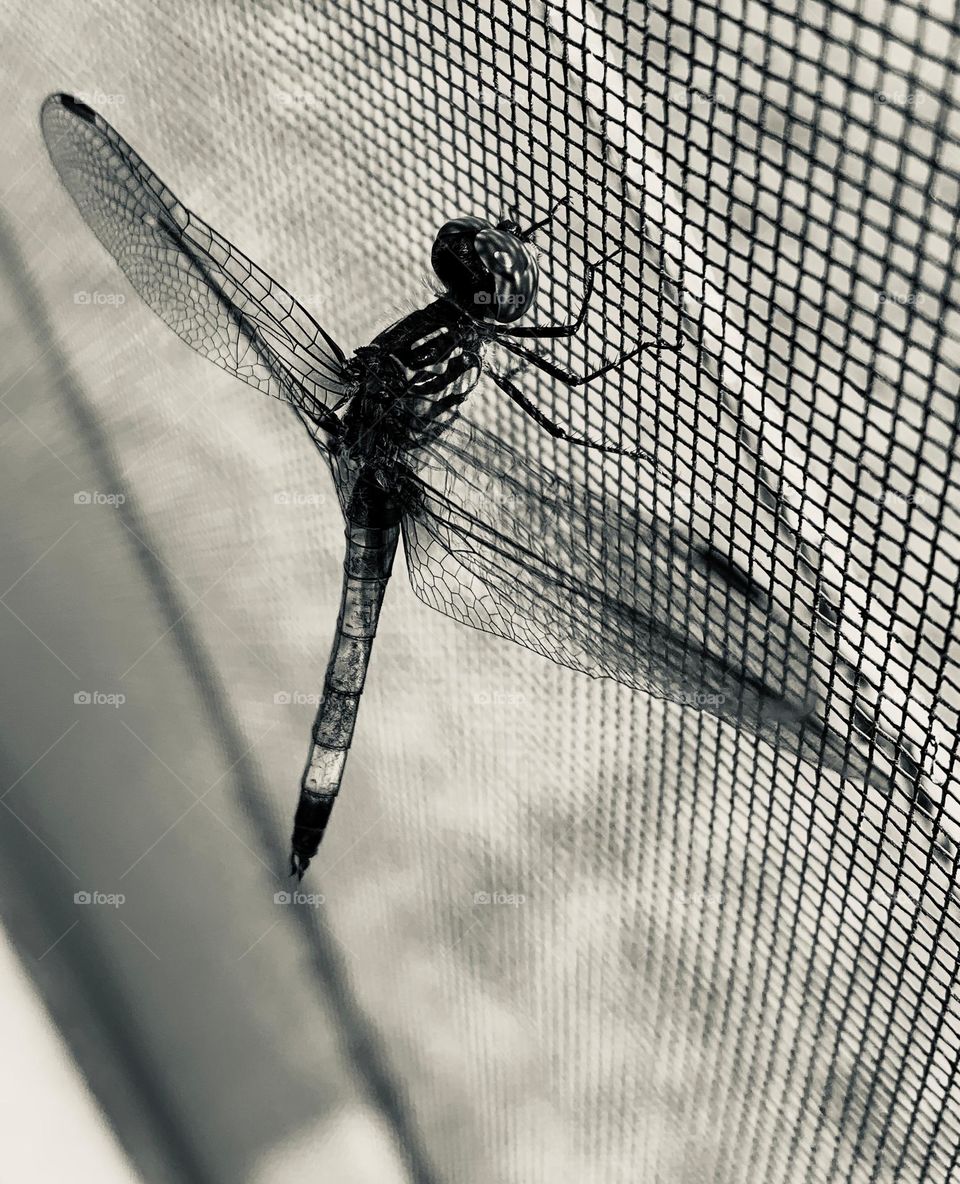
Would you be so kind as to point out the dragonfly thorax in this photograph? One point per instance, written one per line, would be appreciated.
(488, 270)
(405, 379)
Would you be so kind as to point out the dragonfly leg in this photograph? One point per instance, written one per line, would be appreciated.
(320, 417)
(447, 403)
(439, 382)
(571, 327)
(435, 383)
(428, 428)
(567, 377)
(560, 433)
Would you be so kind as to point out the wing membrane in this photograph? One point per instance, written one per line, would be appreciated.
(604, 585)
(213, 297)
(507, 545)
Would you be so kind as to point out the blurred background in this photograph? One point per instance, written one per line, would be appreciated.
(558, 931)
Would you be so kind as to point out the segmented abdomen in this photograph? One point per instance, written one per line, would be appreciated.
(369, 559)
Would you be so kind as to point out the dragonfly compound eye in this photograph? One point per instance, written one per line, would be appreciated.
(489, 271)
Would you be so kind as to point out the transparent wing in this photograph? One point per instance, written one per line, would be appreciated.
(212, 296)
(614, 588)
(507, 545)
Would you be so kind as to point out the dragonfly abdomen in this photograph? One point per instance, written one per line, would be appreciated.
(367, 566)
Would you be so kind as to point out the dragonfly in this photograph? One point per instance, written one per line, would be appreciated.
(493, 537)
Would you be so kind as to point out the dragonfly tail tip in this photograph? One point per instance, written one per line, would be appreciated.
(298, 865)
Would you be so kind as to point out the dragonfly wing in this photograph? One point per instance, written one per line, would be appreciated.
(507, 545)
(604, 585)
(213, 297)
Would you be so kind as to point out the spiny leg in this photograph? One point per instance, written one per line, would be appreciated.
(435, 383)
(571, 327)
(560, 433)
(428, 429)
(567, 377)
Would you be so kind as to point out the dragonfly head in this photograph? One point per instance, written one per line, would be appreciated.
(488, 270)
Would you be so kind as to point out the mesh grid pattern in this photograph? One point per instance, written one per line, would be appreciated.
(728, 963)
